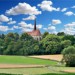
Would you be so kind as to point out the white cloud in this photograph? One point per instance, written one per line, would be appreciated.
(47, 5)
(39, 26)
(4, 18)
(45, 29)
(69, 13)
(28, 27)
(5, 28)
(56, 21)
(23, 8)
(31, 17)
(25, 25)
(73, 6)
(12, 22)
(70, 28)
(16, 27)
(51, 28)
(64, 9)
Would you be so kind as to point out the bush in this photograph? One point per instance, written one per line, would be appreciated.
(69, 56)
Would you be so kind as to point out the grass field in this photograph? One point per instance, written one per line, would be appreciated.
(35, 71)
(49, 68)
(25, 60)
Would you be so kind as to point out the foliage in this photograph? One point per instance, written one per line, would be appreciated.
(69, 37)
(69, 56)
(60, 33)
(9, 74)
(51, 43)
(45, 34)
(59, 74)
(65, 44)
(24, 44)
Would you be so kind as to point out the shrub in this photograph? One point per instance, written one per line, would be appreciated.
(69, 56)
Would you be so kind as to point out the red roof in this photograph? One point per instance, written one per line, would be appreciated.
(34, 33)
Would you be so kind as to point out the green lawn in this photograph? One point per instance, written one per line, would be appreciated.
(25, 60)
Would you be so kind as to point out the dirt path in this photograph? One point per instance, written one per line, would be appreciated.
(19, 66)
(70, 71)
(51, 57)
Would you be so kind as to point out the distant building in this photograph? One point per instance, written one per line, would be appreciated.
(35, 33)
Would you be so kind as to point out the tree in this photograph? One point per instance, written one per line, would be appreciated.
(2, 36)
(45, 34)
(10, 49)
(1, 46)
(69, 37)
(25, 36)
(60, 33)
(51, 43)
(65, 44)
(16, 36)
(69, 56)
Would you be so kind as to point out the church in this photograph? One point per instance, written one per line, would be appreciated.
(35, 33)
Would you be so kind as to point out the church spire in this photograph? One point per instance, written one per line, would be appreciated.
(35, 24)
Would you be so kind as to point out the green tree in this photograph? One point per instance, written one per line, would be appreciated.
(25, 36)
(65, 44)
(51, 43)
(16, 36)
(69, 37)
(69, 56)
(45, 34)
(60, 33)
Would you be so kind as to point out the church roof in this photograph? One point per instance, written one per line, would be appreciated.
(34, 33)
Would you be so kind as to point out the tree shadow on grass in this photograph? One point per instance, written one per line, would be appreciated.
(9, 74)
(59, 74)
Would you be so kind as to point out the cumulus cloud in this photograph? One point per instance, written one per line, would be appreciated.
(12, 22)
(70, 28)
(28, 27)
(64, 9)
(23, 8)
(56, 21)
(5, 28)
(16, 27)
(51, 29)
(73, 6)
(4, 18)
(47, 5)
(69, 13)
(31, 17)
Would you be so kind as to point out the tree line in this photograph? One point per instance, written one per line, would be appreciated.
(24, 44)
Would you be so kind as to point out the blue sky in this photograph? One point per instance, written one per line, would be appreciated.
(51, 15)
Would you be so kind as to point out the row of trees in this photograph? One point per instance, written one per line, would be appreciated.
(24, 44)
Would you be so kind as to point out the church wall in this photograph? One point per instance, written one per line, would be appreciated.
(38, 38)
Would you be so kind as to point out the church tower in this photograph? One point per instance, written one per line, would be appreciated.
(35, 25)
(35, 33)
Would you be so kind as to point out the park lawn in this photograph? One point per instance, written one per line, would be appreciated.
(25, 60)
